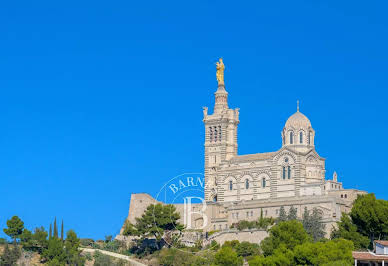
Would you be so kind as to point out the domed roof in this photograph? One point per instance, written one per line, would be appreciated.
(298, 120)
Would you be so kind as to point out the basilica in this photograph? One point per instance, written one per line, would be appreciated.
(242, 187)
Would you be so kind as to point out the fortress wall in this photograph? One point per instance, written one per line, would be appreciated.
(222, 216)
(140, 201)
(251, 236)
(138, 204)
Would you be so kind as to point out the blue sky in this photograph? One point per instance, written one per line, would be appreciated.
(100, 100)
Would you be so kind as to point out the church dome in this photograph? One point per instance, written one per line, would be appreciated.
(298, 131)
(298, 120)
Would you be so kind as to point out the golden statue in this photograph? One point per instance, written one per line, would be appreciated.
(220, 72)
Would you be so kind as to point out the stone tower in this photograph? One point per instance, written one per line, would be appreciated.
(220, 138)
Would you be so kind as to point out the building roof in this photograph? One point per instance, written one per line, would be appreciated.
(382, 242)
(298, 120)
(368, 256)
(254, 157)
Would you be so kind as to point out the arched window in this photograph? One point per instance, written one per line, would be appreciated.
(230, 185)
(264, 182)
(289, 172)
(246, 183)
(301, 137)
(219, 133)
(291, 138)
(211, 134)
(215, 199)
(215, 134)
(284, 172)
(309, 138)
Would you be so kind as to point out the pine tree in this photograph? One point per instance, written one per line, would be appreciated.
(15, 227)
(55, 228)
(62, 231)
(306, 220)
(292, 214)
(282, 215)
(318, 227)
(50, 232)
(313, 224)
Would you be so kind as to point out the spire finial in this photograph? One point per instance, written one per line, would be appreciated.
(297, 105)
(220, 72)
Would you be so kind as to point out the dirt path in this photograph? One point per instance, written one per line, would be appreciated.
(116, 255)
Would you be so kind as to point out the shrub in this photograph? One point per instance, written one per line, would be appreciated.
(212, 232)
(86, 242)
(246, 249)
(227, 256)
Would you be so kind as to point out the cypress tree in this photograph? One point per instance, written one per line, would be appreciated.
(55, 228)
(292, 214)
(50, 232)
(62, 231)
(282, 215)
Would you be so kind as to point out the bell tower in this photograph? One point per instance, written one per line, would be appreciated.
(220, 135)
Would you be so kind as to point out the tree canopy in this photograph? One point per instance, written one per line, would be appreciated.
(289, 233)
(156, 219)
(282, 215)
(348, 230)
(15, 227)
(313, 224)
(227, 256)
(370, 215)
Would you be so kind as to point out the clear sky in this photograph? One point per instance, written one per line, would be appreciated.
(101, 99)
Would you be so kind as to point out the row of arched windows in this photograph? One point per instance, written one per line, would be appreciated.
(300, 137)
(215, 133)
(263, 182)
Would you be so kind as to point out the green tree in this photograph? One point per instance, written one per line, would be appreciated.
(214, 245)
(289, 233)
(73, 253)
(156, 221)
(320, 253)
(62, 230)
(226, 256)
(55, 228)
(313, 224)
(54, 254)
(292, 214)
(348, 230)
(246, 249)
(282, 215)
(370, 215)
(40, 238)
(264, 222)
(129, 229)
(15, 227)
(243, 224)
(26, 239)
(281, 257)
(232, 243)
(50, 232)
